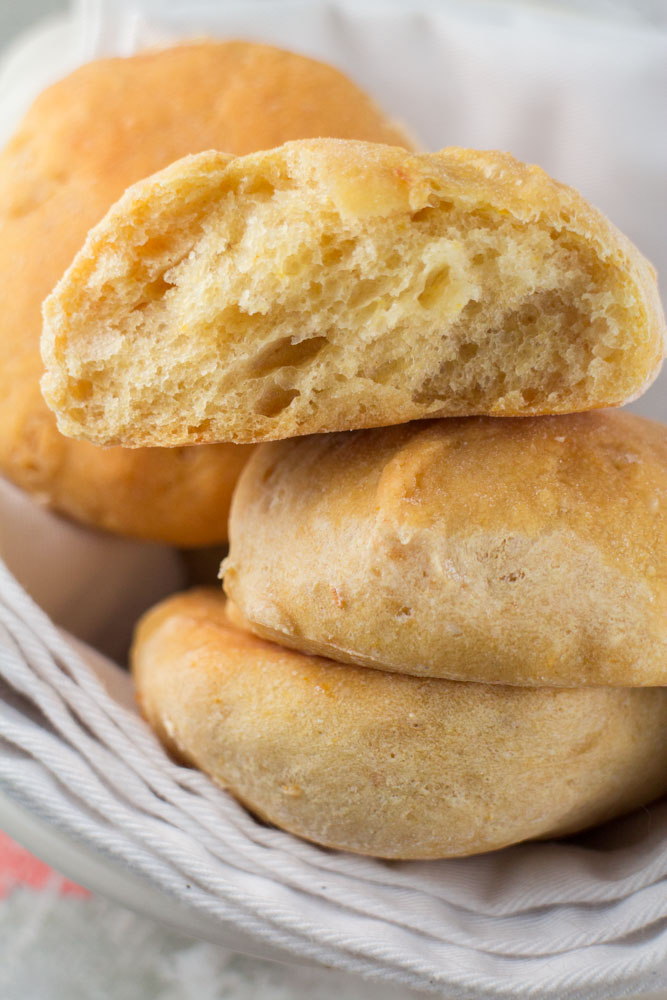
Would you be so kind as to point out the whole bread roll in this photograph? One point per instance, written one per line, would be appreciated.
(81, 144)
(331, 285)
(385, 764)
(503, 551)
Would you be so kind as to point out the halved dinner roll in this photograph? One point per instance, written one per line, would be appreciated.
(503, 551)
(384, 764)
(85, 139)
(331, 285)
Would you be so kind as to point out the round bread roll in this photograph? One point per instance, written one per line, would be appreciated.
(502, 551)
(81, 144)
(385, 764)
(330, 285)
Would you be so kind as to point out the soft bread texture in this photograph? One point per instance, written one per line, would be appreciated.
(82, 143)
(332, 285)
(526, 552)
(388, 765)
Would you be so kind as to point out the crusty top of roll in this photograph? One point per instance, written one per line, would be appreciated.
(526, 552)
(85, 139)
(332, 285)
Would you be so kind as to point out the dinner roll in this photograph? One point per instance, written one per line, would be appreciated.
(385, 764)
(502, 551)
(80, 145)
(330, 285)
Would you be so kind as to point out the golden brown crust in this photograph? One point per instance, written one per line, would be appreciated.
(384, 764)
(330, 285)
(503, 551)
(82, 143)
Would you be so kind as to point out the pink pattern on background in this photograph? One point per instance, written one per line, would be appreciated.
(19, 867)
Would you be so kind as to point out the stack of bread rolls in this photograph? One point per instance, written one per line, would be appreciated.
(445, 628)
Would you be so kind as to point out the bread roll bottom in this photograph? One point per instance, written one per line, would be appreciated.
(385, 764)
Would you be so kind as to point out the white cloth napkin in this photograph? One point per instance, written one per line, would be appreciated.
(584, 918)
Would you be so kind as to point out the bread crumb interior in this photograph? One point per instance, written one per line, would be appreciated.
(277, 301)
